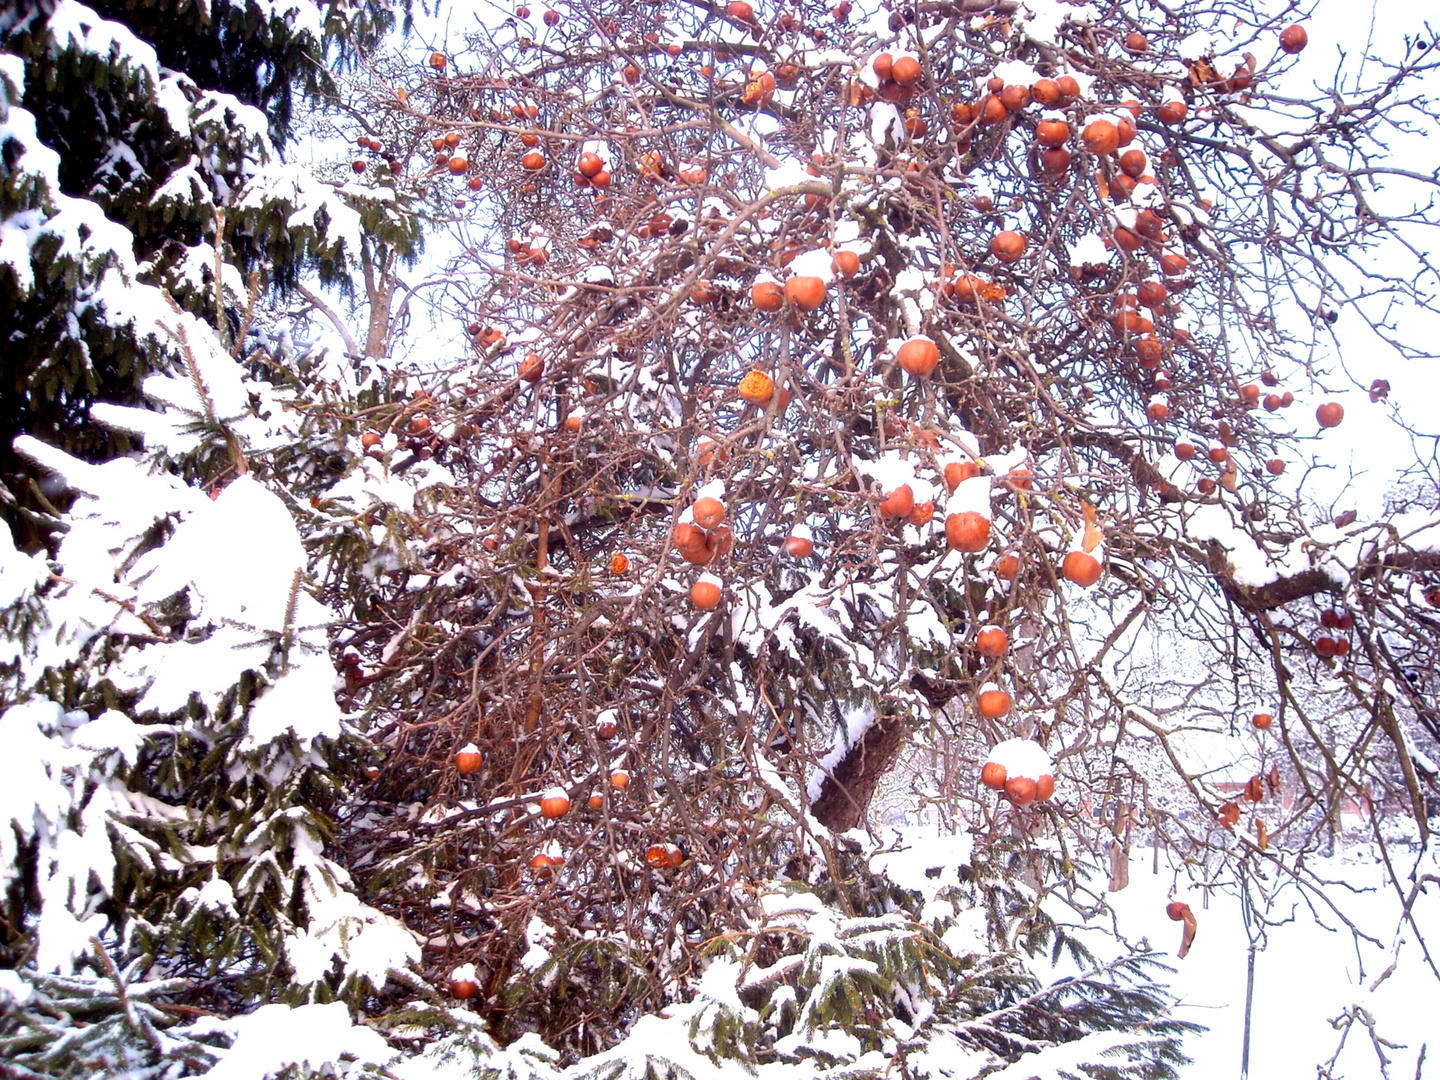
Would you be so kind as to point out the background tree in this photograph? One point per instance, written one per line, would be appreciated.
(805, 347)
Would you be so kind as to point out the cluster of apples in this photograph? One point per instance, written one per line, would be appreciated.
(1021, 769)
(1340, 621)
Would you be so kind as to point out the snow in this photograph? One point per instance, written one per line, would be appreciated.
(1308, 969)
(780, 905)
(1149, 195)
(302, 701)
(790, 174)
(247, 526)
(857, 722)
(171, 99)
(1090, 250)
(1197, 46)
(20, 576)
(1041, 19)
(1003, 464)
(840, 1045)
(368, 944)
(1013, 72)
(663, 1041)
(39, 802)
(74, 26)
(13, 989)
(370, 483)
(885, 123)
(111, 731)
(539, 937)
(1066, 1059)
(275, 1038)
(216, 894)
(964, 440)
(814, 263)
(1249, 563)
(316, 206)
(890, 470)
(971, 495)
(185, 185)
(1022, 757)
(720, 982)
(912, 857)
(139, 541)
(12, 80)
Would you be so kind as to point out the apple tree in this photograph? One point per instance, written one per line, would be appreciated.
(849, 399)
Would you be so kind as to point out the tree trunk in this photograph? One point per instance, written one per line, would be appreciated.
(380, 291)
(847, 791)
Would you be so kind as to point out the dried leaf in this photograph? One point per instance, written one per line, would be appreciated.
(1202, 73)
(1229, 815)
(1254, 789)
(1262, 834)
(1187, 936)
(1119, 867)
(1093, 537)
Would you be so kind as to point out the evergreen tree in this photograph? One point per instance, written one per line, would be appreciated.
(169, 684)
(172, 701)
(134, 156)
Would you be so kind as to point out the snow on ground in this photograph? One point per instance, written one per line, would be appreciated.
(1309, 972)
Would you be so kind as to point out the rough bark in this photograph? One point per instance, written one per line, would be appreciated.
(380, 290)
(847, 791)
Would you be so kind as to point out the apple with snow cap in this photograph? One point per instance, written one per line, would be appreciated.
(967, 517)
(1022, 769)
(705, 593)
(468, 759)
(800, 544)
(463, 984)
